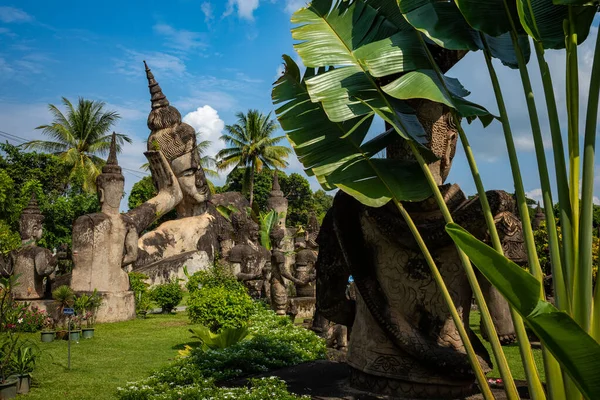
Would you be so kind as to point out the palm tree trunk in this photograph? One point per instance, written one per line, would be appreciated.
(251, 183)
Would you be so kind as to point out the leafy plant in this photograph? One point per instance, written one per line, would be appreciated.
(64, 297)
(24, 358)
(167, 295)
(268, 221)
(226, 338)
(367, 58)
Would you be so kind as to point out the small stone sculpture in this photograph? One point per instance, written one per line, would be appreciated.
(105, 242)
(31, 263)
(278, 202)
(304, 270)
(279, 273)
(247, 257)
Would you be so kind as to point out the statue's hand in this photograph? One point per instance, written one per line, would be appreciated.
(163, 176)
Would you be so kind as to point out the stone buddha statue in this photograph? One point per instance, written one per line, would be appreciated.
(106, 242)
(31, 263)
(277, 202)
(247, 258)
(404, 342)
(194, 238)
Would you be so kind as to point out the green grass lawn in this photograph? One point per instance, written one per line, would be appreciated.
(119, 353)
(513, 356)
(129, 351)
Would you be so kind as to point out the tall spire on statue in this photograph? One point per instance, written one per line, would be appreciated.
(112, 165)
(277, 202)
(157, 97)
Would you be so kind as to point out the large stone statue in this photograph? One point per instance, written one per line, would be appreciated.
(194, 238)
(106, 242)
(31, 263)
(404, 342)
(247, 257)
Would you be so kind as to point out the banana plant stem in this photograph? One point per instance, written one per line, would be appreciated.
(562, 287)
(583, 274)
(509, 383)
(473, 359)
(533, 380)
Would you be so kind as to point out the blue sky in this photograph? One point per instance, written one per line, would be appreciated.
(212, 59)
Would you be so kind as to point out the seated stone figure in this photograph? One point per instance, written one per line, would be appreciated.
(247, 258)
(105, 242)
(31, 263)
(404, 342)
(304, 270)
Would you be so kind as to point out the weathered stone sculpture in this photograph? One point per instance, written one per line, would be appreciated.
(277, 202)
(304, 270)
(30, 262)
(194, 238)
(404, 342)
(279, 273)
(247, 257)
(105, 242)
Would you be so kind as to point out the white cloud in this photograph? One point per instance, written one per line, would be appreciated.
(207, 10)
(206, 121)
(11, 14)
(180, 39)
(535, 194)
(291, 6)
(245, 8)
(219, 99)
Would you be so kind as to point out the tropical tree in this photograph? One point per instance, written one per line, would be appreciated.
(79, 137)
(251, 146)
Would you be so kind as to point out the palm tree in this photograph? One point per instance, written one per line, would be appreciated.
(252, 147)
(81, 135)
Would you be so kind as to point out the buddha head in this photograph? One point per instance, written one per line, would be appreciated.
(177, 141)
(30, 224)
(111, 183)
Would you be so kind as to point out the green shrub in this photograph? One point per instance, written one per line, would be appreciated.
(275, 343)
(217, 300)
(167, 295)
(137, 282)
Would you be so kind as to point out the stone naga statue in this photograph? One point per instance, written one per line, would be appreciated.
(404, 342)
(31, 263)
(105, 242)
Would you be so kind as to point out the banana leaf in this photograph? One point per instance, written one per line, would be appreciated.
(336, 152)
(543, 21)
(451, 27)
(575, 350)
(268, 221)
(226, 338)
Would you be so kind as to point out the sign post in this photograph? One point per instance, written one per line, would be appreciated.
(69, 312)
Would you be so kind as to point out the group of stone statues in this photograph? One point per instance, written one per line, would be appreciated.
(403, 341)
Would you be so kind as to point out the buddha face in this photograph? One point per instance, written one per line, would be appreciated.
(110, 191)
(30, 227)
(191, 178)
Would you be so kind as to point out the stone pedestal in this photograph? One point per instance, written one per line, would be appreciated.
(116, 306)
(305, 306)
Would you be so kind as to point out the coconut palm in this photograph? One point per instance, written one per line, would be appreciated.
(252, 147)
(81, 136)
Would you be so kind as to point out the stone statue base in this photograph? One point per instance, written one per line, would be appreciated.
(398, 389)
(171, 268)
(305, 306)
(116, 306)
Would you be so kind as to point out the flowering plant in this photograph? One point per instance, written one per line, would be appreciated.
(49, 325)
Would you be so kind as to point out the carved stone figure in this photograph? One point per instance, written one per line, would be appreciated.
(279, 273)
(106, 242)
(278, 202)
(30, 262)
(404, 342)
(247, 258)
(538, 218)
(195, 237)
(304, 270)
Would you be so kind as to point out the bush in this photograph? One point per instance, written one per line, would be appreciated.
(137, 282)
(275, 343)
(217, 300)
(32, 320)
(167, 296)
